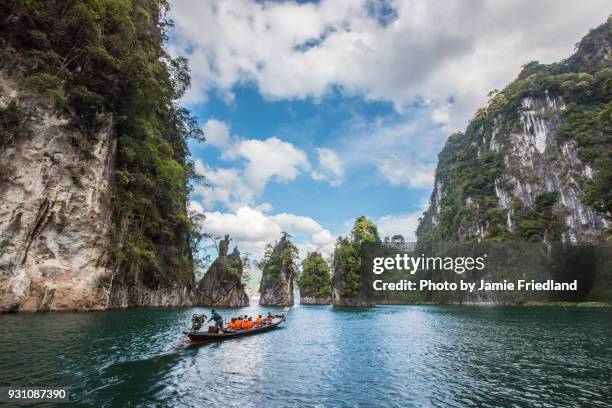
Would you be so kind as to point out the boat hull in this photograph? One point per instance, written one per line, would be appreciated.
(200, 337)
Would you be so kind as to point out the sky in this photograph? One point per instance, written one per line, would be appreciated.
(318, 112)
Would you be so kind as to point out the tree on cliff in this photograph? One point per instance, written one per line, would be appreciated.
(279, 267)
(315, 279)
(347, 258)
(222, 284)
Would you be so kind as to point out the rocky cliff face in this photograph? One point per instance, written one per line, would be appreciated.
(222, 284)
(315, 300)
(533, 164)
(278, 270)
(94, 158)
(363, 298)
(55, 214)
(56, 217)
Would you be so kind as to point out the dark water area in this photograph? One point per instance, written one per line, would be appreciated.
(447, 356)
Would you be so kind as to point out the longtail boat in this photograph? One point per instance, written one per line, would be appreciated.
(200, 336)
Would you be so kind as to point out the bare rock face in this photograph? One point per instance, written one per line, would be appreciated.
(315, 300)
(122, 297)
(55, 214)
(276, 287)
(536, 150)
(222, 284)
(357, 301)
(539, 150)
(363, 297)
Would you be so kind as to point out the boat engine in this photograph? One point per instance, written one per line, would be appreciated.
(197, 320)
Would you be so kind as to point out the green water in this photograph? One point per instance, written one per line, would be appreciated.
(385, 356)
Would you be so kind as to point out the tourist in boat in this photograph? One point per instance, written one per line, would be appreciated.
(269, 318)
(258, 321)
(217, 318)
(248, 324)
(238, 323)
(231, 324)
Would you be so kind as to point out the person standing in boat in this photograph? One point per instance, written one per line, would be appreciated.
(217, 318)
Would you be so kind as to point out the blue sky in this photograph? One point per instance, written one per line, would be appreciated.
(309, 125)
(317, 113)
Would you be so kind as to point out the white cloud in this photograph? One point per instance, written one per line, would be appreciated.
(195, 207)
(403, 224)
(269, 159)
(297, 223)
(399, 172)
(246, 224)
(264, 207)
(421, 49)
(440, 114)
(331, 168)
(217, 133)
(323, 239)
(403, 152)
(252, 230)
(227, 186)
(257, 163)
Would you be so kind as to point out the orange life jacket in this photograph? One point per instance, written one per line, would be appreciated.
(238, 325)
(248, 324)
(230, 326)
(258, 321)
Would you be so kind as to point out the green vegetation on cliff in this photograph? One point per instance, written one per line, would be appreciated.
(465, 193)
(347, 257)
(98, 58)
(233, 266)
(315, 279)
(280, 259)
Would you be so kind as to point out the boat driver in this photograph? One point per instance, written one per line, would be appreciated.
(217, 318)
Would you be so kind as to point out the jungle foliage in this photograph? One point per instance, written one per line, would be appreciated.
(279, 259)
(347, 256)
(315, 279)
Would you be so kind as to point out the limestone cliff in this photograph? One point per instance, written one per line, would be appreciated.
(352, 281)
(278, 270)
(94, 164)
(222, 284)
(535, 164)
(56, 217)
(55, 213)
(315, 300)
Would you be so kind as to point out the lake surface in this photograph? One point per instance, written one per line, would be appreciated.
(385, 356)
